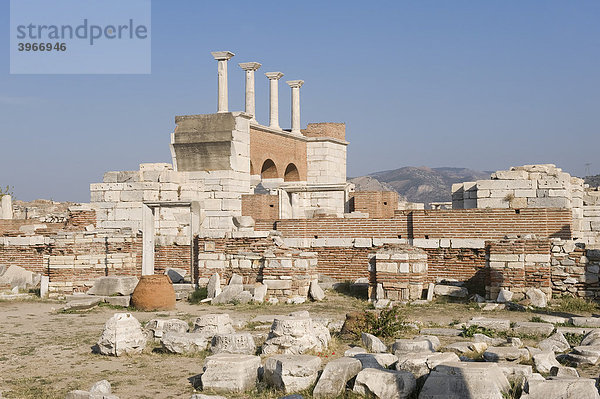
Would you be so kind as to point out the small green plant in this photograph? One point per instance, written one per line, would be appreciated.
(575, 304)
(6, 191)
(385, 324)
(470, 331)
(515, 391)
(536, 319)
(573, 339)
(198, 295)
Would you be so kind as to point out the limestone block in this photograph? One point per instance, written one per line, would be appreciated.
(335, 376)
(212, 324)
(505, 353)
(492, 203)
(214, 286)
(533, 328)
(230, 372)
(555, 202)
(421, 343)
(581, 388)
(385, 383)
(491, 323)
(372, 343)
(292, 373)
(122, 334)
(242, 343)
(315, 291)
(465, 380)
(183, 342)
(450, 290)
(467, 243)
(113, 285)
(537, 297)
(295, 335)
(158, 327)
(421, 364)
(544, 361)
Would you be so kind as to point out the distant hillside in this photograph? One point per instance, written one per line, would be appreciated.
(420, 184)
(593, 181)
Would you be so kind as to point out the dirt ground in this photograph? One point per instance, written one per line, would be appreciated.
(45, 353)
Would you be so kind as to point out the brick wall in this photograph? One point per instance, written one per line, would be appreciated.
(378, 204)
(81, 218)
(282, 150)
(27, 257)
(326, 129)
(178, 256)
(10, 228)
(469, 223)
(261, 207)
(462, 264)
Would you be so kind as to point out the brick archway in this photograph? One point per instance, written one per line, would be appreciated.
(269, 170)
(291, 173)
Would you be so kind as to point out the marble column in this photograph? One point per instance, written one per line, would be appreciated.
(222, 57)
(295, 85)
(250, 67)
(274, 96)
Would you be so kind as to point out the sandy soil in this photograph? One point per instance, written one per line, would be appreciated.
(45, 353)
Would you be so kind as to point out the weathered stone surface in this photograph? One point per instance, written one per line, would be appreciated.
(158, 327)
(385, 384)
(16, 276)
(537, 297)
(357, 350)
(315, 291)
(113, 285)
(504, 296)
(100, 390)
(211, 324)
(292, 373)
(465, 380)
(122, 334)
(462, 347)
(515, 372)
(446, 332)
(177, 275)
(564, 372)
(233, 343)
(230, 372)
(335, 376)
(372, 343)
(505, 353)
(182, 342)
(488, 340)
(580, 388)
(201, 396)
(450, 290)
(586, 321)
(487, 322)
(213, 289)
(230, 293)
(122, 301)
(84, 303)
(555, 343)
(101, 387)
(592, 338)
(376, 360)
(295, 334)
(421, 364)
(532, 328)
(544, 361)
(260, 292)
(420, 343)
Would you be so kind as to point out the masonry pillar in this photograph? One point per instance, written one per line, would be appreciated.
(6, 211)
(250, 67)
(274, 95)
(295, 85)
(222, 57)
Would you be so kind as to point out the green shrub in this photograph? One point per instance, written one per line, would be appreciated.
(199, 294)
(575, 304)
(470, 331)
(385, 324)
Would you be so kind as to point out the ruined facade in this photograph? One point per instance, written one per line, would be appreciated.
(273, 206)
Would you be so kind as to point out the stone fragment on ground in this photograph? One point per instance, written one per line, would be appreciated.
(183, 342)
(544, 361)
(158, 327)
(491, 323)
(450, 290)
(504, 295)
(533, 328)
(18, 277)
(356, 350)
(385, 384)
(555, 343)
(515, 372)
(465, 380)
(122, 334)
(202, 396)
(537, 297)
(592, 338)
(213, 289)
(85, 302)
(376, 360)
(212, 324)
(315, 291)
(505, 353)
(579, 388)
(582, 355)
(421, 364)
(100, 390)
(372, 343)
(427, 343)
(296, 334)
(176, 274)
(564, 372)
(335, 376)
(462, 347)
(446, 332)
(230, 372)
(586, 321)
(291, 373)
(242, 343)
(231, 293)
(113, 285)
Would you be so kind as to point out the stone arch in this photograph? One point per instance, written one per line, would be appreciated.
(269, 170)
(291, 173)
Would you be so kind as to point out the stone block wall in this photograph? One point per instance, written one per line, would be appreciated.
(326, 160)
(398, 273)
(575, 269)
(518, 264)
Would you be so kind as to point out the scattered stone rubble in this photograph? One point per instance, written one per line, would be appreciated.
(100, 390)
(122, 334)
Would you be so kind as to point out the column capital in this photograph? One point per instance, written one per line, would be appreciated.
(295, 83)
(222, 55)
(274, 75)
(250, 66)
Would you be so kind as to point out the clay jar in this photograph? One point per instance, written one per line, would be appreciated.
(154, 292)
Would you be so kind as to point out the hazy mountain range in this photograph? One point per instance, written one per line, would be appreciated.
(419, 184)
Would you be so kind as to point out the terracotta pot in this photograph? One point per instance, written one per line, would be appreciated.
(154, 292)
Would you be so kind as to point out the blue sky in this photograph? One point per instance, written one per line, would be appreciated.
(478, 84)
